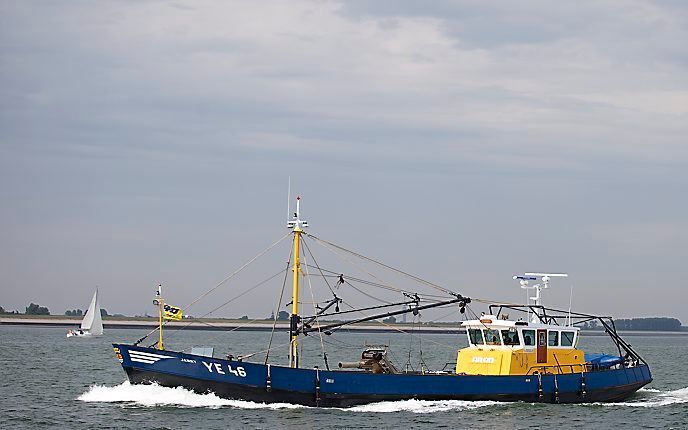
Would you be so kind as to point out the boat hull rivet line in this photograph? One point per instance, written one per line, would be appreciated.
(556, 390)
(540, 386)
(268, 381)
(317, 386)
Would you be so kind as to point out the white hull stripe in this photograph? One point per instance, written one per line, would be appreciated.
(146, 357)
(148, 354)
(143, 361)
(136, 358)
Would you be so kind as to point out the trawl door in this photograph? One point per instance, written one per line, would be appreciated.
(542, 346)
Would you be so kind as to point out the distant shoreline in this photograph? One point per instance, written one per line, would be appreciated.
(215, 325)
(263, 325)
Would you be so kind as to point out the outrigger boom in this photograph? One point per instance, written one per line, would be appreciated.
(462, 301)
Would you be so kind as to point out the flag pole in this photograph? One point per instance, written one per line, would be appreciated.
(160, 302)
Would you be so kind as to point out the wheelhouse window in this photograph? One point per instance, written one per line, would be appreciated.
(475, 336)
(492, 337)
(510, 337)
(528, 337)
(553, 338)
(567, 338)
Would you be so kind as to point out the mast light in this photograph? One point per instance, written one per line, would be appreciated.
(296, 221)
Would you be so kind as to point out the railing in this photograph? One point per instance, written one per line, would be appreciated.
(559, 368)
(552, 316)
(448, 364)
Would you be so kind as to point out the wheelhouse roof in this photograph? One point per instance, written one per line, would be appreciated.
(492, 322)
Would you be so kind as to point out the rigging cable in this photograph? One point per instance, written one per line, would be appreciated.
(279, 306)
(238, 327)
(428, 283)
(245, 292)
(324, 245)
(408, 365)
(318, 266)
(249, 355)
(334, 274)
(365, 309)
(185, 308)
(444, 345)
(260, 254)
(225, 304)
(366, 294)
(315, 311)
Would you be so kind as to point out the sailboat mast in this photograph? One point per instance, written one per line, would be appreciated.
(297, 225)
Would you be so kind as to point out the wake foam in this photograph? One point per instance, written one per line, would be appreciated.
(422, 406)
(653, 398)
(155, 395)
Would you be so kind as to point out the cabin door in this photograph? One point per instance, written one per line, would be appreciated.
(542, 346)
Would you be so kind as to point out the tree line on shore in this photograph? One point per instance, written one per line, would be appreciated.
(36, 309)
(641, 324)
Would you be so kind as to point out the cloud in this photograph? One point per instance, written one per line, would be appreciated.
(513, 118)
(656, 240)
(384, 68)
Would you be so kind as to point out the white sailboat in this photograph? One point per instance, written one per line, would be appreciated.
(92, 324)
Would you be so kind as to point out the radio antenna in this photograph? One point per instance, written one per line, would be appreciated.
(524, 284)
(544, 284)
(570, 301)
(289, 198)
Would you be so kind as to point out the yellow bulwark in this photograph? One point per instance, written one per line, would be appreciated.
(502, 347)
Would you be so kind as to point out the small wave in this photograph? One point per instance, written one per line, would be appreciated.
(655, 398)
(422, 406)
(155, 395)
(649, 390)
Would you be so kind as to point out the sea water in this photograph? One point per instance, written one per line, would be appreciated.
(49, 381)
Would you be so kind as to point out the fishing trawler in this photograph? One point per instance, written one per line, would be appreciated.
(532, 358)
(92, 324)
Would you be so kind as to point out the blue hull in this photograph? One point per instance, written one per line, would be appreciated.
(314, 387)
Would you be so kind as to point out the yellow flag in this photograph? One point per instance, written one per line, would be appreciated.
(172, 312)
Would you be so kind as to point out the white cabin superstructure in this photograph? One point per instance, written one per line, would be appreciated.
(506, 347)
(500, 346)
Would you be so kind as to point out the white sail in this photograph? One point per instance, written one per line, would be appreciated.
(93, 322)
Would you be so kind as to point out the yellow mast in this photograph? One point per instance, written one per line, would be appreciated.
(296, 224)
(293, 352)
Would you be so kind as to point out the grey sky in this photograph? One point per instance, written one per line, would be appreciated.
(146, 142)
